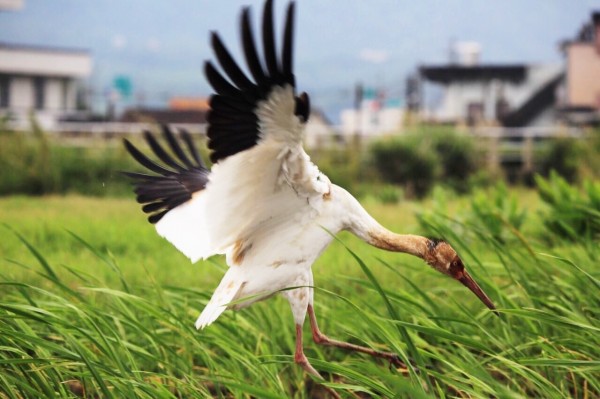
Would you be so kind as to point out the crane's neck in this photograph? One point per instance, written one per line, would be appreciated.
(407, 243)
(437, 253)
(369, 230)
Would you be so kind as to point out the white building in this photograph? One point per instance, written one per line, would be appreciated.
(374, 117)
(41, 81)
(493, 94)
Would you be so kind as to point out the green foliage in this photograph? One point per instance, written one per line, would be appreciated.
(564, 156)
(35, 165)
(573, 213)
(388, 194)
(575, 159)
(497, 212)
(407, 161)
(419, 160)
(110, 310)
(91, 170)
(590, 165)
(457, 156)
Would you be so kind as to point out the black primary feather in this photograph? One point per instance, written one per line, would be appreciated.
(250, 53)
(173, 184)
(268, 31)
(192, 148)
(288, 46)
(233, 124)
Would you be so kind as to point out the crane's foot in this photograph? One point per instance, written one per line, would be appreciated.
(396, 363)
(303, 362)
(392, 358)
(323, 339)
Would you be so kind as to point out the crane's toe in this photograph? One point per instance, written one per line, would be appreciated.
(397, 363)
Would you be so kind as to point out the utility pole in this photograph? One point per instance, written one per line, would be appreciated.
(358, 97)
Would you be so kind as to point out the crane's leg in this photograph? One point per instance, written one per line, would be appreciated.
(323, 339)
(303, 362)
(298, 299)
(299, 356)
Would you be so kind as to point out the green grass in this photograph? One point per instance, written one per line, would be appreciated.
(93, 301)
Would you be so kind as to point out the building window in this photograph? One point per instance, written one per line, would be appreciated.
(65, 94)
(502, 109)
(474, 113)
(4, 91)
(39, 92)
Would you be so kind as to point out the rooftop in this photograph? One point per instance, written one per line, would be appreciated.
(452, 73)
(19, 59)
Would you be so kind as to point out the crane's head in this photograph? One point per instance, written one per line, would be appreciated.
(443, 258)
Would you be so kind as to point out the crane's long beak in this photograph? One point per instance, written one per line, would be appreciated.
(468, 282)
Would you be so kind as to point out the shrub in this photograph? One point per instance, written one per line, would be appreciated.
(407, 161)
(590, 165)
(91, 170)
(25, 164)
(388, 194)
(34, 164)
(573, 213)
(562, 155)
(418, 160)
(457, 157)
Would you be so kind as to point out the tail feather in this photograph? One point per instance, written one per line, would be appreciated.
(226, 292)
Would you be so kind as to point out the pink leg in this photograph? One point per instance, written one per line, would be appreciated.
(323, 339)
(299, 356)
(301, 360)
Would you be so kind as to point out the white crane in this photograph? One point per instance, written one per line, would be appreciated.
(263, 204)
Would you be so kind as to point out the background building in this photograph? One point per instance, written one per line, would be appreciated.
(478, 94)
(582, 92)
(40, 81)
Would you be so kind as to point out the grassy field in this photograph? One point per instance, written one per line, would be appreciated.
(94, 304)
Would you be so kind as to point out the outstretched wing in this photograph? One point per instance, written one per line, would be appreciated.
(262, 179)
(172, 185)
(174, 189)
(256, 131)
(235, 119)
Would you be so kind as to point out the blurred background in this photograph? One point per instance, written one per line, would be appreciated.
(492, 90)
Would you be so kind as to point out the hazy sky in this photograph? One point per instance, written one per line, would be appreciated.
(163, 44)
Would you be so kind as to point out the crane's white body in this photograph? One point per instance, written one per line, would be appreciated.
(269, 210)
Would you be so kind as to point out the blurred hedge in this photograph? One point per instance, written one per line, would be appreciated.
(387, 169)
(572, 158)
(33, 164)
(419, 160)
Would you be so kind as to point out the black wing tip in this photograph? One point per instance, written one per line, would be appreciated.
(155, 218)
(291, 12)
(128, 146)
(288, 47)
(215, 38)
(167, 189)
(238, 92)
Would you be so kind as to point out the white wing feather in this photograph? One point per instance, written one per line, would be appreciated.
(185, 228)
(261, 197)
(251, 190)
